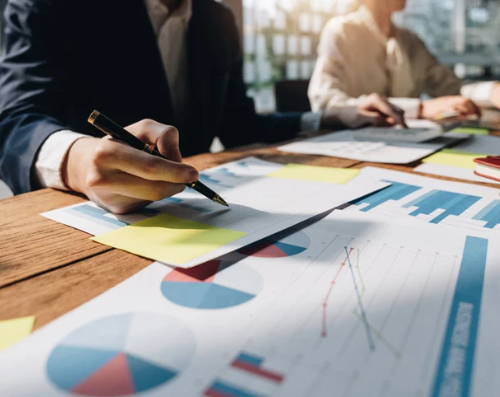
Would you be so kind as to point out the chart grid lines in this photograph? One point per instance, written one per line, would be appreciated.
(369, 335)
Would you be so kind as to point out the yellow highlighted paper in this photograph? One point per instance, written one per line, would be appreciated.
(471, 131)
(12, 331)
(169, 239)
(317, 174)
(454, 158)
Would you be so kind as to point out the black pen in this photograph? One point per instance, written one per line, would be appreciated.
(109, 127)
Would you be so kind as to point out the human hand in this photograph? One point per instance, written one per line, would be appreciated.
(123, 179)
(495, 95)
(434, 107)
(374, 110)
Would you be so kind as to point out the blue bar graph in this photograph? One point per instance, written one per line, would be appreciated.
(225, 389)
(182, 203)
(490, 214)
(212, 181)
(454, 372)
(226, 172)
(395, 192)
(451, 203)
(96, 214)
(250, 359)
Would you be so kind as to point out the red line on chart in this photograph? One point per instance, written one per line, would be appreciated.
(327, 297)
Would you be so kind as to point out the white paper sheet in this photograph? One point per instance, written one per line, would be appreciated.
(482, 145)
(428, 200)
(260, 205)
(453, 172)
(351, 306)
(343, 145)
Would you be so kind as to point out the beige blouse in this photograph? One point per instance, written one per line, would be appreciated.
(355, 59)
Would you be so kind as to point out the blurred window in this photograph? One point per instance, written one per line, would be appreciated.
(281, 38)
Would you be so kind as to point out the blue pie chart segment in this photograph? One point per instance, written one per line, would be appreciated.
(148, 351)
(213, 285)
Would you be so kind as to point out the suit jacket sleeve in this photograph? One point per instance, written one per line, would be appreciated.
(34, 86)
(241, 124)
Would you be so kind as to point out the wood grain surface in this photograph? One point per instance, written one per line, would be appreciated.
(48, 269)
(55, 293)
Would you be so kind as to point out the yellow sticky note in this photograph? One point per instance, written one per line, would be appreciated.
(454, 158)
(317, 174)
(471, 131)
(12, 331)
(169, 239)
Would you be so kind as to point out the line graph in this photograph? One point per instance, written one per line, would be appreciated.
(324, 330)
(378, 334)
(369, 335)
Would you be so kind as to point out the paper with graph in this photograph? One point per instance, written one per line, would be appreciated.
(342, 144)
(188, 229)
(428, 200)
(350, 306)
(459, 161)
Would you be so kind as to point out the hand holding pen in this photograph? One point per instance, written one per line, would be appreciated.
(122, 178)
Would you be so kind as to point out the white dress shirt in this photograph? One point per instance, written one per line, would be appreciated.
(171, 31)
(399, 67)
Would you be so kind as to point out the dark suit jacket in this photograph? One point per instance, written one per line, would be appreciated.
(65, 58)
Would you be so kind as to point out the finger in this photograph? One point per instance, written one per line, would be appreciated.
(164, 137)
(136, 188)
(372, 118)
(475, 109)
(382, 122)
(462, 108)
(467, 107)
(389, 110)
(115, 155)
(121, 205)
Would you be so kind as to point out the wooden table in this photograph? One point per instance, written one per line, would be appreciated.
(48, 269)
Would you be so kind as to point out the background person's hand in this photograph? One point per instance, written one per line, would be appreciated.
(495, 95)
(123, 179)
(374, 110)
(434, 107)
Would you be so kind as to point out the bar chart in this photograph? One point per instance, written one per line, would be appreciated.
(430, 201)
(373, 310)
(248, 375)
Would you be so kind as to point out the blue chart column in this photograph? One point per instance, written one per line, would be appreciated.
(454, 371)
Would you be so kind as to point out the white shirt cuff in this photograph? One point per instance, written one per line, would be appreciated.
(311, 121)
(411, 106)
(480, 93)
(51, 156)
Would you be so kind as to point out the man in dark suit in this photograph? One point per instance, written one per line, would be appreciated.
(177, 62)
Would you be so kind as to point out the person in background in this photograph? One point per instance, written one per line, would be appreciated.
(148, 64)
(364, 52)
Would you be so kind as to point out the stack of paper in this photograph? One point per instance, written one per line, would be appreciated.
(458, 162)
(350, 306)
(343, 145)
(187, 230)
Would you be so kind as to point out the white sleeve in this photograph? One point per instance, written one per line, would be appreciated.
(480, 93)
(51, 156)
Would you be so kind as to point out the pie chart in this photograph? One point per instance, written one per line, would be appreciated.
(291, 245)
(216, 284)
(121, 355)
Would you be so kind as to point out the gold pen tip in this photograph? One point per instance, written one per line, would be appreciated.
(92, 118)
(218, 199)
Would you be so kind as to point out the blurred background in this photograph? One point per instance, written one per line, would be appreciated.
(280, 38)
